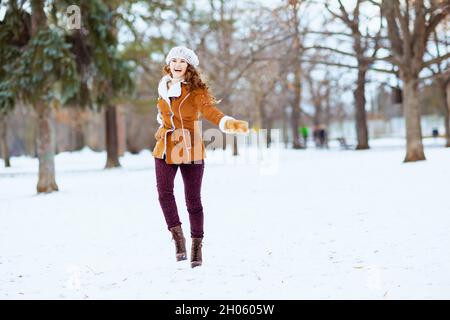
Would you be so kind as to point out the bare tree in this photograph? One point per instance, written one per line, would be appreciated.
(447, 120)
(319, 92)
(263, 80)
(441, 75)
(297, 53)
(410, 26)
(443, 83)
(228, 51)
(365, 48)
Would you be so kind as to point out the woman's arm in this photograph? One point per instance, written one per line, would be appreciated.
(236, 126)
(213, 114)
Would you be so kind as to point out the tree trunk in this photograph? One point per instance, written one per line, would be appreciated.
(235, 147)
(411, 110)
(266, 122)
(4, 140)
(317, 119)
(268, 127)
(45, 143)
(295, 116)
(112, 140)
(224, 140)
(269, 132)
(298, 52)
(45, 149)
(361, 115)
(79, 141)
(285, 129)
(447, 114)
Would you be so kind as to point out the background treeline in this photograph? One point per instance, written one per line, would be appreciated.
(286, 64)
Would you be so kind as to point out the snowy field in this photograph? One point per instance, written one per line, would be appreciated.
(322, 224)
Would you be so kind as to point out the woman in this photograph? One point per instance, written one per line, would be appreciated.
(183, 98)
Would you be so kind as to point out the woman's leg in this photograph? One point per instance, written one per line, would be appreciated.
(165, 176)
(192, 178)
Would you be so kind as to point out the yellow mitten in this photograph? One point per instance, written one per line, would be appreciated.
(236, 126)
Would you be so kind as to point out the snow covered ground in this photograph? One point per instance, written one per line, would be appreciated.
(325, 224)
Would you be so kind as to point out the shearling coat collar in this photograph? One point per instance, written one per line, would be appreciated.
(174, 91)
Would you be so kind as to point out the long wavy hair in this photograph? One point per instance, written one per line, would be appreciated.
(194, 81)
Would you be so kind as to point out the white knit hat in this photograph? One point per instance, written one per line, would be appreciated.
(183, 52)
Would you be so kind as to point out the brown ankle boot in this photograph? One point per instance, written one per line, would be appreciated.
(180, 243)
(196, 252)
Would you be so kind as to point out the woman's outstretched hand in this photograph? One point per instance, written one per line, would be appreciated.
(236, 126)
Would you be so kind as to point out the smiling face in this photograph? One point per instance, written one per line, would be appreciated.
(178, 67)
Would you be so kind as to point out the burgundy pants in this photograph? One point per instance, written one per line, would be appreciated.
(192, 179)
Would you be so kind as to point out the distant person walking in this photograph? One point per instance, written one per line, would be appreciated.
(320, 136)
(183, 98)
(323, 139)
(316, 135)
(435, 132)
(305, 133)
